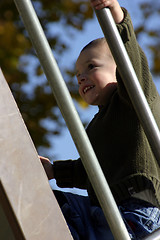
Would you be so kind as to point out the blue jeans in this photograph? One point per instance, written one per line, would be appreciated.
(141, 218)
(87, 222)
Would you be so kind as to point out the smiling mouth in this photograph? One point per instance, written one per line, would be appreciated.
(86, 89)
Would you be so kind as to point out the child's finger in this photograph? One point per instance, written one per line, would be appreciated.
(44, 159)
(99, 4)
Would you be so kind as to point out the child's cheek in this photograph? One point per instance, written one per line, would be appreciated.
(80, 93)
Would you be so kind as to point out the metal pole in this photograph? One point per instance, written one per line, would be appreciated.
(71, 117)
(153, 236)
(130, 80)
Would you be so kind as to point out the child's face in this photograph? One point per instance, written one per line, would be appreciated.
(96, 75)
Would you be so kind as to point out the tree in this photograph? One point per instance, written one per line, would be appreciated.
(19, 62)
(35, 99)
(151, 16)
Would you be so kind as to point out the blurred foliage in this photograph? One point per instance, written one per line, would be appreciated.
(34, 96)
(35, 100)
(150, 27)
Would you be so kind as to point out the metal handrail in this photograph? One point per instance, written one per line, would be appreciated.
(130, 79)
(153, 236)
(72, 119)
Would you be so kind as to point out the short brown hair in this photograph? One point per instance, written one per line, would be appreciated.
(98, 42)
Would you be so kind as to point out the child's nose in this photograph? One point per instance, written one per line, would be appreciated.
(82, 78)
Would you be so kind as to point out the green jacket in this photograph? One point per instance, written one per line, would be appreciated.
(117, 136)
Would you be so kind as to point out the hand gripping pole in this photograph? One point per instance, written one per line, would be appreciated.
(72, 119)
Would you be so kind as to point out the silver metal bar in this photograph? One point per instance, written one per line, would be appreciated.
(130, 80)
(153, 236)
(71, 117)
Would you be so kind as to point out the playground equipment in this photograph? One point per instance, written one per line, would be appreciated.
(28, 208)
(22, 212)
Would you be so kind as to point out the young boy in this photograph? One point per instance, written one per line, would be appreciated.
(118, 140)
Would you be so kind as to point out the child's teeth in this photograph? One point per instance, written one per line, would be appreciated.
(87, 88)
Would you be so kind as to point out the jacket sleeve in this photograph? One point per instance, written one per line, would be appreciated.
(138, 60)
(70, 173)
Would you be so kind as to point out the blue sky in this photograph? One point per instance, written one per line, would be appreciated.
(63, 146)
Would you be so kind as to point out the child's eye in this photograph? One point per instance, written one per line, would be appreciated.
(91, 66)
(77, 75)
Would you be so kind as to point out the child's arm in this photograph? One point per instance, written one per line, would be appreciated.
(114, 6)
